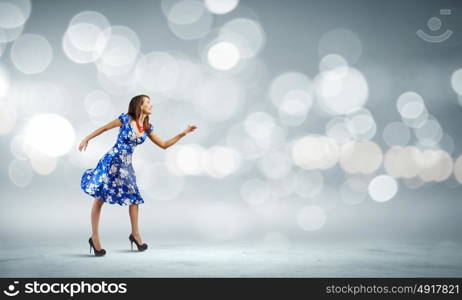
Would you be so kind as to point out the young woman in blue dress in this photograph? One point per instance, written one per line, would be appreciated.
(113, 180)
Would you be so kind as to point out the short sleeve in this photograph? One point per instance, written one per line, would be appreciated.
(148, 131)
(123, 118)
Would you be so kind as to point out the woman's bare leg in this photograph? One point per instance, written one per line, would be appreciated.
(133, 211)
(95, 214)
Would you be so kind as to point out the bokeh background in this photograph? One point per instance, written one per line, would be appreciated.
(317, 120)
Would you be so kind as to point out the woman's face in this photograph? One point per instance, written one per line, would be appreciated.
(146, 106)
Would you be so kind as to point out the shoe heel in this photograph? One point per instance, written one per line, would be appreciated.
(131, 244)
(100, 252)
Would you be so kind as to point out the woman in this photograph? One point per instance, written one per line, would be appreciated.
(113, 179)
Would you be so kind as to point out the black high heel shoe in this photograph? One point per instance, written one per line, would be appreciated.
(100, 252)
(140, 247)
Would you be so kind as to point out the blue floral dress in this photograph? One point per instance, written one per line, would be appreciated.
(113, 179)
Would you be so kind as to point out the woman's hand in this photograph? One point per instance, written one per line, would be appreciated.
(83, 145)
(190, 128)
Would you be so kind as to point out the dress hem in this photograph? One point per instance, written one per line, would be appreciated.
(114, 202)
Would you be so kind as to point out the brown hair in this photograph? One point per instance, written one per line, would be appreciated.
(134, 110)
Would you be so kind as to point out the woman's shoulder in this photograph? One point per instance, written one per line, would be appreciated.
(124, 117)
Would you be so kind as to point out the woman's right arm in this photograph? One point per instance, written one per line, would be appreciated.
(114, 123)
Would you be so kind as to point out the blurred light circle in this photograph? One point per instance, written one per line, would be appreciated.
(191, 77)
(456, 81)
(430, 132)
(308, 183)
(294, 107)
(458, 169)
(402, 161)
(76, 55)
(361, 124)
(223, 55)
(328, 199)
(32, 97)
(20, 173)
(14, 14)
(275, 164)
(410, 105)
(119, 84)
(120, 50)
(97, 102)
(220, 161)
(334, 66)
(353, 191)
(166, 6)
(259, 124)
(315, 152)
(88, 158)
(188, 159)
(255, 191)
(238, 139)
(396, 134)
(311, 218)
(159, 183)
(360, 157)
(172, 163)
(434, 165)
(340, 94)
(17, 147)
(8, 35)
(24, 53)
(414, 182)
(41, 163)
(99, 107)
(85, 37)
(221, 7)
(416, 123)
(157, 72)
(447, 143)
(288, 82)
(50, 134)
(8, 117)
(90, 17)
(193, 31)
(337, 129)
(248, 36)
(270, 209)
(242, 68)
(188, 19)
(284, 186)
(11, 16)
(218, 99)
(185, 12)
(275, 139)
(342, 42)
(382, 188)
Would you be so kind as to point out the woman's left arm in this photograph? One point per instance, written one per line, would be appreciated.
(165, 144)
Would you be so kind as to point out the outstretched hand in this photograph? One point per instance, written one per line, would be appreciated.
(83, 145)
(190, 128)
